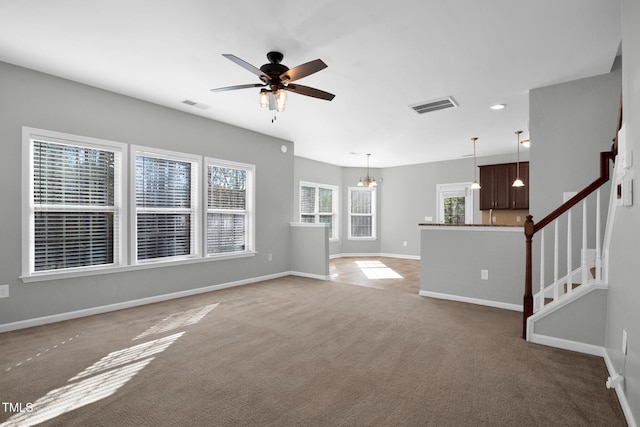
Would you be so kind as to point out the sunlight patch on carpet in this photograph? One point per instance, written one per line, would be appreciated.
(73, 396)
(178, 320)
(128, 355)
(377, 270)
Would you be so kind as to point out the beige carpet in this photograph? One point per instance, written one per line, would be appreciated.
(293, 352)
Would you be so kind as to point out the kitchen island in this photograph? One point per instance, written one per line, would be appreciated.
(480, 264)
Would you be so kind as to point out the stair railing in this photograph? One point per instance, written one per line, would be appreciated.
(531, 228)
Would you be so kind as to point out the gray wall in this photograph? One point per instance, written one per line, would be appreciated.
(37, 100)
(410, 196)
(310, 250)
(583, 320)
(452, 260)
(406, 195)
(624, 286)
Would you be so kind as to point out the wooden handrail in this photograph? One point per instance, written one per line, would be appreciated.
(531, 228)
(605, 157)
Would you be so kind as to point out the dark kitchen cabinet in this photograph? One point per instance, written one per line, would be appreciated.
(496, 191)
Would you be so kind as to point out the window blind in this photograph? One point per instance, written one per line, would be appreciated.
(74, 211)
(163, 201)
(227, 209)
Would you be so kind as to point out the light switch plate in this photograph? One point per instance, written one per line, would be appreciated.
(484, 274)
(4, 291)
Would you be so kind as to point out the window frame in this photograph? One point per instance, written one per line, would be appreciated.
(373, 213)
(29, 208)
(249, 211)
(335, 206)
(459, 188)
(196, 220)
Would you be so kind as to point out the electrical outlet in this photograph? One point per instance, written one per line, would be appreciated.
(428, 218)
(484, 274)
(404, 243)
(518, 218)
(624, 341)
(4, 291)
(270, 257)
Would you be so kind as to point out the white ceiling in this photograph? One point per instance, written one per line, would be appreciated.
(382, 56)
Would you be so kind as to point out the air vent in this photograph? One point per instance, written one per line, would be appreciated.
(439, 104)
(196, 104)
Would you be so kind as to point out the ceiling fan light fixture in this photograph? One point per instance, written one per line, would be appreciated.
(264, 98)
(281, 100)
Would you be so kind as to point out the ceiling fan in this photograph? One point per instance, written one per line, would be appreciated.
(277, 79)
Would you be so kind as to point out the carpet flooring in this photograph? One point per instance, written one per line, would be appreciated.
(299, 352)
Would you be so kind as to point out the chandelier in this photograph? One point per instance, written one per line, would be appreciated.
(368, 181)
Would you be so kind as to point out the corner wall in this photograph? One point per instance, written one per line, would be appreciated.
(624, 269)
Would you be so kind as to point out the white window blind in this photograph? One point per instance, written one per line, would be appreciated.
(74, 210)
(319, 204)
(362, 213)
(229, 203)
(165, 214)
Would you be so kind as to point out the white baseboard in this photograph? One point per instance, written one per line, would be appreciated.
(28, 323)
(593, 350)
(310, 276)
(379, 254)
(622, 397)
(451, 297)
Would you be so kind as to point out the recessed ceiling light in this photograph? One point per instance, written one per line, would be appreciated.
(498, 106)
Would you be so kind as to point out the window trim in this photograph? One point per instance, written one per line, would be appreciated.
(456, 187)
(29, 134)
(196, 167)
(250, 217)
(373, 214)
(335, 206)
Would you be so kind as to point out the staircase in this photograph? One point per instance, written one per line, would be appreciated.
(572, 273)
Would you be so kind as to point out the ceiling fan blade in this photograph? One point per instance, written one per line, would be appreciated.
(309, 91)
(224, 89)
(303, 70)
(244, 64)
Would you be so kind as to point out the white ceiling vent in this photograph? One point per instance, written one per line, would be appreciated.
(438, 104)
(196, 104)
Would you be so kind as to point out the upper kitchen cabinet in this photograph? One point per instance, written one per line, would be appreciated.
(496, 191)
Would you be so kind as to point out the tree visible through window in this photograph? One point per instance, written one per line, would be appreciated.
(228, 207)
(455, 203)
(454, 212)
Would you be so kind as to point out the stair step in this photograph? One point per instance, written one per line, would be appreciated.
(548, 300)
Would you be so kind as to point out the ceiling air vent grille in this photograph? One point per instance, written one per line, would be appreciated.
(196, 104)
(439, 104)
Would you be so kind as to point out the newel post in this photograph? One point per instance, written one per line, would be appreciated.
(527, 305)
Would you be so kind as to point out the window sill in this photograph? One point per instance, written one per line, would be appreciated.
(55, 275)
(362, 238)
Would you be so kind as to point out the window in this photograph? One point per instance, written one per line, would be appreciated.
(319, 204)
(73, 202)
(166, 195)
(455, 203)
(77, 223)
(362, 213)
(229, 207)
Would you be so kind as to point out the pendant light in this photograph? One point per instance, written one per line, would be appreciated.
(518, 182)
(475, 185)
(369, 181)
